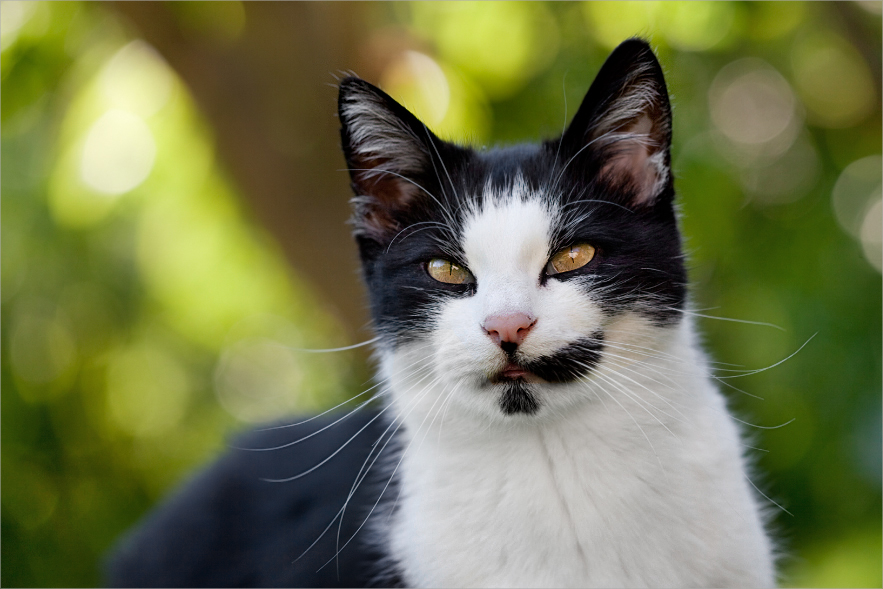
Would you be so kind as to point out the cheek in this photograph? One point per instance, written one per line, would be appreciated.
(565, 313)
(459, 342)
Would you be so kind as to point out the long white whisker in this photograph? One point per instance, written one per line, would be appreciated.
(759, 370)
(379, 383)
(649, 390)
(695, 314)
(387, 483)
(747, 478)
(357, 482)
(341, 349)
(413, 404)
(637, 400)
(632, 417)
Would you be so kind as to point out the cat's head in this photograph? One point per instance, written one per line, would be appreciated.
(507, 277)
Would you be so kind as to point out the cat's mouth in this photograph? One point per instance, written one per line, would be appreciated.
(568, 364)
(513, 371)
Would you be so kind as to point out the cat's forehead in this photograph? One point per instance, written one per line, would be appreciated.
(509, 225)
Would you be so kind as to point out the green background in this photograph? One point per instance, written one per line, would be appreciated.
(146, 315)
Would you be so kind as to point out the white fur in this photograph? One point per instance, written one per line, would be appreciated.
(378, 133)
(633, 477)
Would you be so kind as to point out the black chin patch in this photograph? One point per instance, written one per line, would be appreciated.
(517, 398)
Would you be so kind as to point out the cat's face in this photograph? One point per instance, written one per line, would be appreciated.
(507, 278)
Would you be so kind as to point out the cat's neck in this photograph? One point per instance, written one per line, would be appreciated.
(611, 492)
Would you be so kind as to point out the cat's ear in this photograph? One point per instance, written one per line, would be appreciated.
(387, 150)
(622, 130)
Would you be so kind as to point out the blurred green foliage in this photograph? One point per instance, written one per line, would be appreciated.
(144, 315)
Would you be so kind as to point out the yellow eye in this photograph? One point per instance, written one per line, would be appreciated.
(570, 258)
(448, 272)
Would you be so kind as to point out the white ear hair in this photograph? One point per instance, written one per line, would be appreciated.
(377, 134)
(634, 130)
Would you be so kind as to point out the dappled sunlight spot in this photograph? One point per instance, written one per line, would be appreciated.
(613, 22)
(41, 349)
(872, 6)
(118, 153)
(452, 107)
(258, 379)
(147, 390)
(833, 80)
(872, 234)
(501, 45)
(13, 15)
(418, 82)
(108, 149)
(751, 103)
(137, 79)
(26, 20)
(787, 178)
(754, 109)
(696, 26)
(857, 188)
(469, 117)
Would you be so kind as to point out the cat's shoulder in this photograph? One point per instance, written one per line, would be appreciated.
(230, 526)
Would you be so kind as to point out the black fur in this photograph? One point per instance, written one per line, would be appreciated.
(517, 398)
(229, 527)
(569, 363)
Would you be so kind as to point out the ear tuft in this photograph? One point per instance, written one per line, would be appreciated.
(386, 149)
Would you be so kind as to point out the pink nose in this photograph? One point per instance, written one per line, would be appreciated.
(508, 330)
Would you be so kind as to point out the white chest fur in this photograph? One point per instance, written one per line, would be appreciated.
(644, 486)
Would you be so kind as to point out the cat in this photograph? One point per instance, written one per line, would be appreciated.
(550, 419)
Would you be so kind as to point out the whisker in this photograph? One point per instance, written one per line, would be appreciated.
(759, 370)
(341, 349)
(379, 383)
(358, 481)
(765, 496)
(632, 417)
(413, 403)
(695, 314)
(391, 477)
(308, 436)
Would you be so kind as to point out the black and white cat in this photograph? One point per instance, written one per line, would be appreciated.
(556, 423)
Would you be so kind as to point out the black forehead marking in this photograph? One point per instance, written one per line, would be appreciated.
(499, 167)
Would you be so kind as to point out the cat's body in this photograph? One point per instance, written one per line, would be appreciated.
(556, 423)
(604, 495)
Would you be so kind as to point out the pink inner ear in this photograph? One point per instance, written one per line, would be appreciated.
(381, 195)
(635, 161)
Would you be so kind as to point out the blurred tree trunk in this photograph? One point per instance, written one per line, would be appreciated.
(263, 75)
